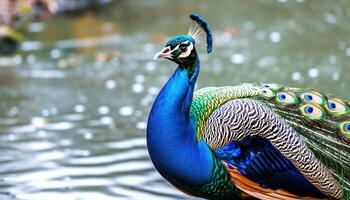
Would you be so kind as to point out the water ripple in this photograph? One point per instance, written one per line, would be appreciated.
(104, 159)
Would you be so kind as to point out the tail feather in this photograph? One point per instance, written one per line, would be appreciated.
(322, 135)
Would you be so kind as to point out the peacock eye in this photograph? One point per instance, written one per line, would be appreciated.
(312, 97)
(312, 111)
(308, 109)
(266, 93)
(336, 107)
(286, 98)
(344, 129)
(273, 86)
(347, 127)
(183, 47)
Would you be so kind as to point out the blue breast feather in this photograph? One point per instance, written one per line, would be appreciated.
(257, 159)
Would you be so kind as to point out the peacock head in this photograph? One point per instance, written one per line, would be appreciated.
(181, 48)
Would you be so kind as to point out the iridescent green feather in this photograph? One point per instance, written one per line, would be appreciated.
(336, 107)
(344, 128)
(312, 96)
(312, 112)
(322, 121)
(286, 98)
(206, 100)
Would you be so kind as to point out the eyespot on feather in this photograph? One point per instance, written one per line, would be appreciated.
(286, 98)
(313, 97)
(336, 107)
(344, 129)
(312, 111)
(267, 93)
(273, 86)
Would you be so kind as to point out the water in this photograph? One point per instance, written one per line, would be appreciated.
(75, 100)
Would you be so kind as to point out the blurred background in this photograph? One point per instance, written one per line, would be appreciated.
(77, 81)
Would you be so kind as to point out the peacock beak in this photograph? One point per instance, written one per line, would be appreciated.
(164, 53)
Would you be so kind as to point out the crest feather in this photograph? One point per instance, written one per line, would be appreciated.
(201, 31)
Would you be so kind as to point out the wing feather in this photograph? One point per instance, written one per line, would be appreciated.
(257, 191)
(326, 135)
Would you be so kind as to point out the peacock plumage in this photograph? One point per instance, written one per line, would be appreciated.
(259, 140)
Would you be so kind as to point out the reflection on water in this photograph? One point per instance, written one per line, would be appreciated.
(75, 100)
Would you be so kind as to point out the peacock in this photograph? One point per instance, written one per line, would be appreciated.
(253, 140)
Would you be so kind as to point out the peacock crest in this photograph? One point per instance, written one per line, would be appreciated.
(201, 32)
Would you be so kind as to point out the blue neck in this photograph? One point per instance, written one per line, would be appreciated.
(171, 133)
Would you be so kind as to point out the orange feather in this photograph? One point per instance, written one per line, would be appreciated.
(255, 190)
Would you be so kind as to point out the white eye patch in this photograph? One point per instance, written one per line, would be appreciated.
(187, 52)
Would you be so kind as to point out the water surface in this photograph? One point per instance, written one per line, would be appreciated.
(75, 99)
